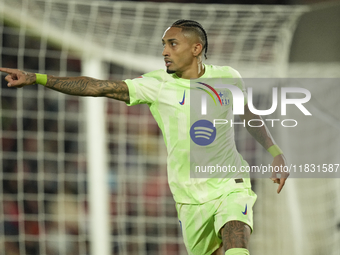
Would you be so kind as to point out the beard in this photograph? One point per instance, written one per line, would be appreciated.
(170, 71)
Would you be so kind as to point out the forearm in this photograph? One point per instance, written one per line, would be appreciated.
(86, 86)
(261, 134)
(78, 86)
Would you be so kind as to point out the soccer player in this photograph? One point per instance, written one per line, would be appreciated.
(215, 213)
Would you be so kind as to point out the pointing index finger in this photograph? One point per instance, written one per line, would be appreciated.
(6, 70)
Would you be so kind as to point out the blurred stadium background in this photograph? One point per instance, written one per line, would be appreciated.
(55, 199)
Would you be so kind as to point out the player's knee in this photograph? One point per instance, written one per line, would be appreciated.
(235, 234)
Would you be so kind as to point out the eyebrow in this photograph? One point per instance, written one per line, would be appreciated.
(170, 40)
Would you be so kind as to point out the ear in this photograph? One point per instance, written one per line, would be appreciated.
(197, 49)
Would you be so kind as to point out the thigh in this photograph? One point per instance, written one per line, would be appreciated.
(236, 206)
(197, 224)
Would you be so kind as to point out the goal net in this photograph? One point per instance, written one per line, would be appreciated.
(43, 171)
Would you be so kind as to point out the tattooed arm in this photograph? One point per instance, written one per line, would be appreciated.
(79, 86)
(86, 86)
(263, 136)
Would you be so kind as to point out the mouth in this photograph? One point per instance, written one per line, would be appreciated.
(167, 62)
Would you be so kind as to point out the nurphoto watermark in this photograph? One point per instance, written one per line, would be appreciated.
(296, 111)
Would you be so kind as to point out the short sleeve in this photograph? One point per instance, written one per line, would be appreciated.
(144, 89)
(240, 84)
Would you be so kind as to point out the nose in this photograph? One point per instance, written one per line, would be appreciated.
(165, 52)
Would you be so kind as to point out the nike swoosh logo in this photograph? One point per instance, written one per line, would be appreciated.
(183, 100)
(245, 211)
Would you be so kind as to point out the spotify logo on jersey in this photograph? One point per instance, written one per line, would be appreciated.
(203, 132)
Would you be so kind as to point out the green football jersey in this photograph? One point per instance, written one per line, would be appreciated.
(169, 98)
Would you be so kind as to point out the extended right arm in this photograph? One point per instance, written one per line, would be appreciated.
(79, 86)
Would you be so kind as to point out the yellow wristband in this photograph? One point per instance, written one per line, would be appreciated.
(41, 79)
(274, 150)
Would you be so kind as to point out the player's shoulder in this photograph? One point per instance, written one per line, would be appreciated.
(222, 71)
(160, 75)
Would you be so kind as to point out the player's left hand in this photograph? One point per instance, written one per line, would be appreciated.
(279, 162)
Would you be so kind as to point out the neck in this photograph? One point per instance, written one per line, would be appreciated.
(194, 72)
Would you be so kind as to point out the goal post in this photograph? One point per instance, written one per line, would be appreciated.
(97, 161)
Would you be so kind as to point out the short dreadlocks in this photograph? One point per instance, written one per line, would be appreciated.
(194, 26)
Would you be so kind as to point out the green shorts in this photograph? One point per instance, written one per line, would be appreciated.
(201, 223)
